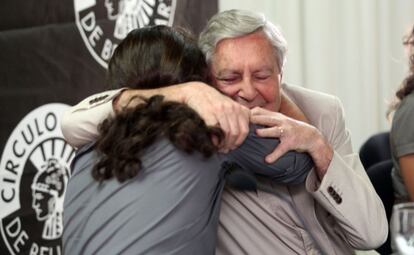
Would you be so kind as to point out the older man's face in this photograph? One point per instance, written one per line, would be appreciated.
(245, 69)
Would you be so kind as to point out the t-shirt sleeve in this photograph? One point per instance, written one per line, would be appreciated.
(402, 132)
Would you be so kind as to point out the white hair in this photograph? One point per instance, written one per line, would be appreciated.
(237, 23)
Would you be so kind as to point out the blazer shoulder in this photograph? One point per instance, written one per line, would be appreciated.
(315, 104)
(308, 98)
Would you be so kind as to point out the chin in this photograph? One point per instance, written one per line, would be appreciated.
(253, 105)
(271, 107)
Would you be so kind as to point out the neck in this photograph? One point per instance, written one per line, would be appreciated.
(290, 109)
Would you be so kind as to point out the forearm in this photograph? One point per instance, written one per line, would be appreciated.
(131, 97)
(407, 169)
(80, 123)
(321, 153)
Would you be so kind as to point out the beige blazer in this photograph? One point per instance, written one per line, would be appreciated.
(336, 216)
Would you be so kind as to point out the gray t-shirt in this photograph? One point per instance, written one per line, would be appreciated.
(170, 207)
(402, 142)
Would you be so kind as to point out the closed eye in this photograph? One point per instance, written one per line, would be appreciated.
(262, 78)
(228, 80)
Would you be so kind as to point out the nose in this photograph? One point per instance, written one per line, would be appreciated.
(247, 91)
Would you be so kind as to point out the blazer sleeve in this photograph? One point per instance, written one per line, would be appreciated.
(80, 123)
(347, 193)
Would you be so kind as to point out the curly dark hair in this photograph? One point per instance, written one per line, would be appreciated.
(407, 86)
(152, 57)
(132, 131)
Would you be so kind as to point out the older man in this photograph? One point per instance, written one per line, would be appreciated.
(334, 212)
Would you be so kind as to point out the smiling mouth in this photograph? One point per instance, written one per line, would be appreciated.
(252, 104)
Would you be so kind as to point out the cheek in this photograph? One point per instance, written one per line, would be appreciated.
(269, 93)
(272, 97)
(229, 90)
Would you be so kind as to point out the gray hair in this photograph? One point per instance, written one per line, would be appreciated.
(237, 23)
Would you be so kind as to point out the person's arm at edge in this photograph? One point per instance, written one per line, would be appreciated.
(79, 124)
(402, 143)
(407, 170)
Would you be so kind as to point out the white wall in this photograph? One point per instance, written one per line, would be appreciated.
(349, 48)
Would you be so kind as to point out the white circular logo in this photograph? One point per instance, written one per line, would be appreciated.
(104, 23)
(34, 171)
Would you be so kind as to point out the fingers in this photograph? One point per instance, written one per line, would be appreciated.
(218, 110)
(278, 126)
(266, 120)
(277, 153)
(265, 117)
(209, 119)
(225, 125)
(234, 121)
(259, 111)
(276, 132)
(294, 135)
(243, 120)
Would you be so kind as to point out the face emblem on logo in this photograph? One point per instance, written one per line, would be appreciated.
(48, 188)
(103, 24)
(34, 172)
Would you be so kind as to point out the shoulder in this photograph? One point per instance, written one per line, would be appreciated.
(404, 115)
(403, 121)
(323, 110)
(306, 98)
(406, 108)
(314, 104)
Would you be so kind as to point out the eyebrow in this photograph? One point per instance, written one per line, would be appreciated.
(227, 71)
(265, 69)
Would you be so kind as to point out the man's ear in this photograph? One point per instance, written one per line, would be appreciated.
(281, 77)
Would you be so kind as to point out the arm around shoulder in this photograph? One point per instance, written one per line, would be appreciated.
(80, 123)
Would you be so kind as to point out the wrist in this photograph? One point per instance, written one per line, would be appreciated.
(188, 90)
(322, 154)
(181, 93)
(118, 103)
(176, 93)
(129, 98)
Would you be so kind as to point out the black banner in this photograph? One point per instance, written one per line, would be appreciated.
(53, 54)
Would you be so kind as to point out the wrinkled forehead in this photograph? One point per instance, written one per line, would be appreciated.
(252, 47)
(253, 52)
